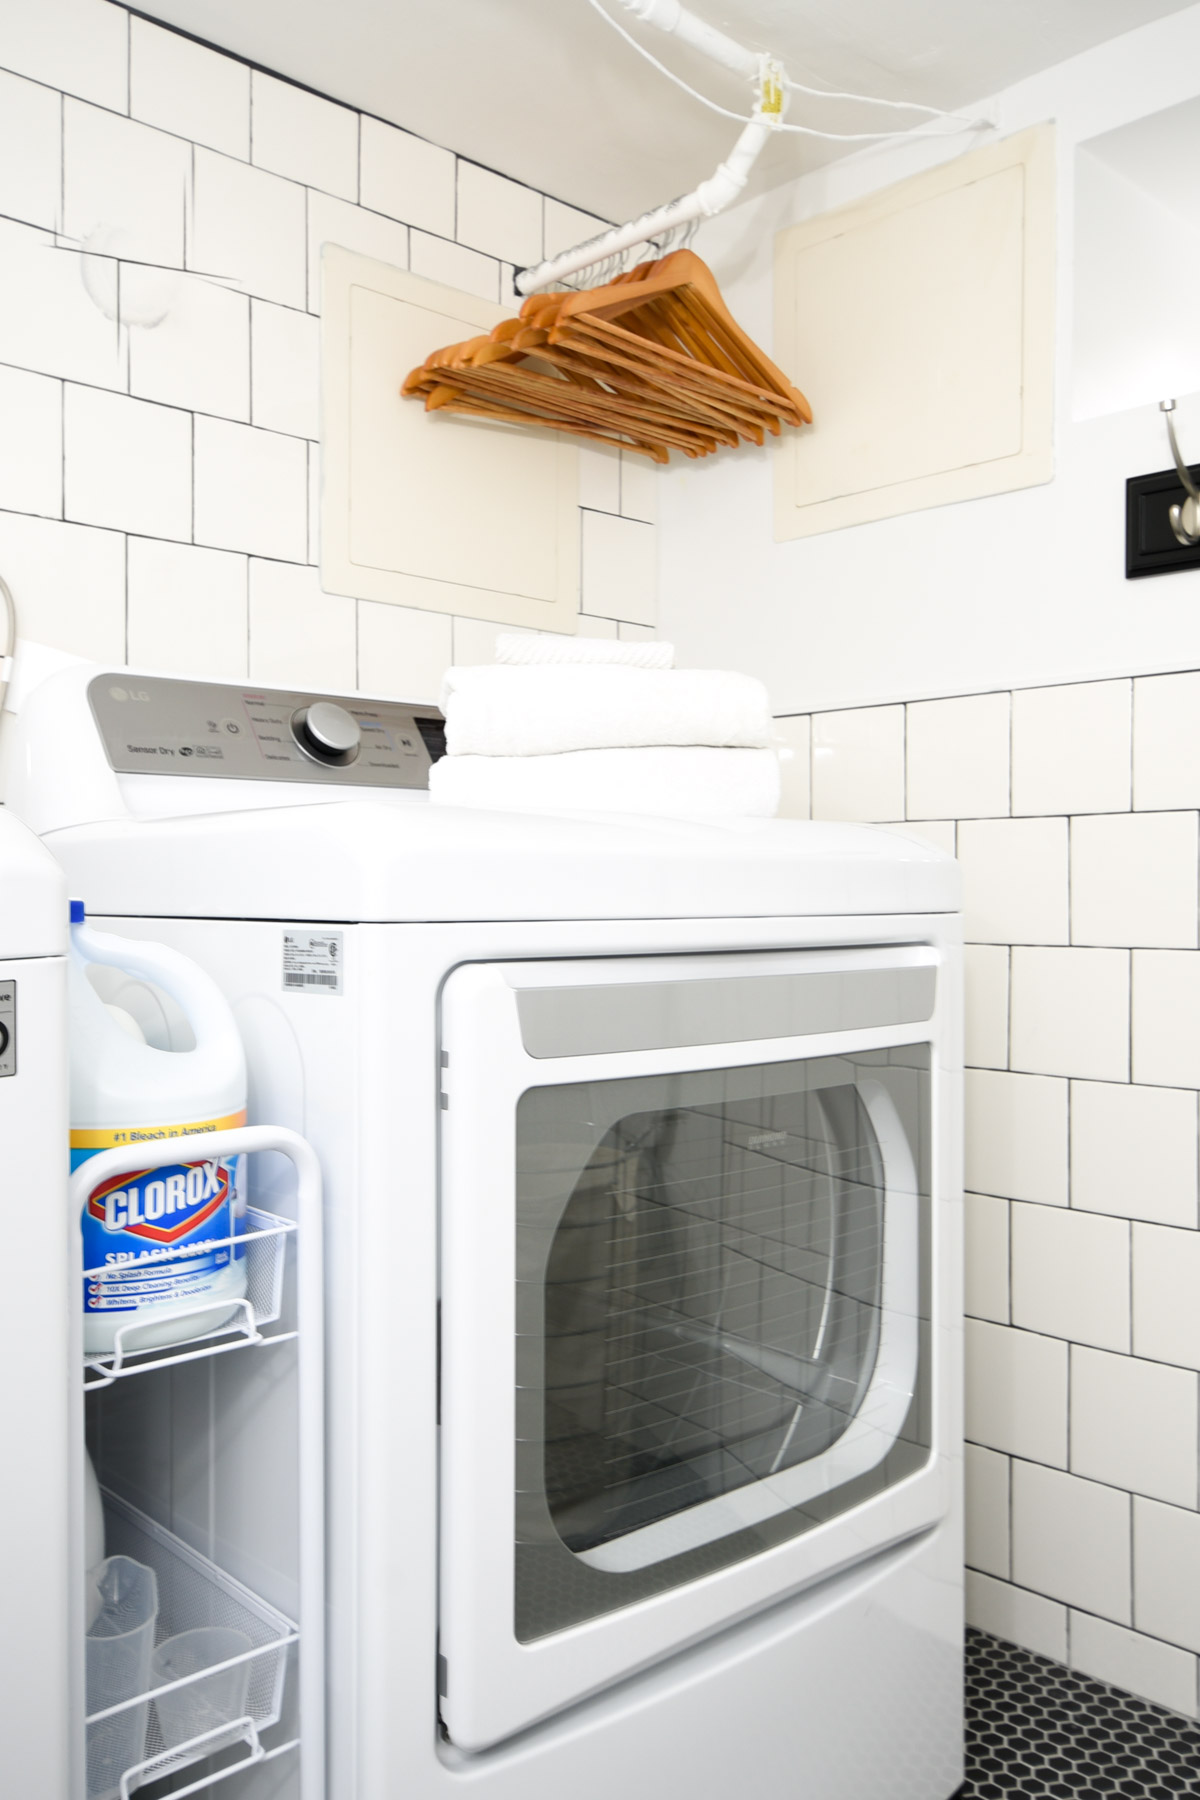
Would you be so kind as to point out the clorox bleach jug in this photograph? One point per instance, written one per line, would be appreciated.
(165, 1231)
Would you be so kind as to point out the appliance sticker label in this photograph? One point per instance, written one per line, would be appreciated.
(312, 962)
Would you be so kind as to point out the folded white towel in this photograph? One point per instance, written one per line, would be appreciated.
(524, 647)
(507, 711)
(671, 783)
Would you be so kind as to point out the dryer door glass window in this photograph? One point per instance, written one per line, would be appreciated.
(721, 1318)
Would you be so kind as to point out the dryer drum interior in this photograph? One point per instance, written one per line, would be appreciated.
(720, 1281)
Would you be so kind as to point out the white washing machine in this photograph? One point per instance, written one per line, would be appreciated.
(41, 1661)
(642, 1146)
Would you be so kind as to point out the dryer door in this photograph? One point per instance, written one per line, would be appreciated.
(686, 1305)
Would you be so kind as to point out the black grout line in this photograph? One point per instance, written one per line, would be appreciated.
(319, 93)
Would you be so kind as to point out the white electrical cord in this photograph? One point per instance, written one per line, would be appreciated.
(936, 112)
(840, 137)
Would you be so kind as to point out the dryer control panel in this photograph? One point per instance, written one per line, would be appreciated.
(154, 726)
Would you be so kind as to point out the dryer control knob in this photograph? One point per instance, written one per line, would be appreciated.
(327, 733)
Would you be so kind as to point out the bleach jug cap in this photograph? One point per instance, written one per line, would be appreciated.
(78, 912)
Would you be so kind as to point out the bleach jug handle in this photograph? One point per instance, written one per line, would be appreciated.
(197, 993)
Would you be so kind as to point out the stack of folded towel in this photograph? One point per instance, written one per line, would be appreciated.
(586, 724)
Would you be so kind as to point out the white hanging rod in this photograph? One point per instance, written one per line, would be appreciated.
(724, 186)
(713, 195)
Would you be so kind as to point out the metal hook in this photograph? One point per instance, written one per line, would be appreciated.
(1185, 515)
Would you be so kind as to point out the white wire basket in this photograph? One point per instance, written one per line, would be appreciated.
(263, 1239)
(192, 1591)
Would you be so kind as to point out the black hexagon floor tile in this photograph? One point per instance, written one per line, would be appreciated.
(1039, 1731)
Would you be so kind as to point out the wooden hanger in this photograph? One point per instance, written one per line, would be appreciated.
(675, 373)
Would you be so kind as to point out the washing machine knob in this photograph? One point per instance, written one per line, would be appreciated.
(327, 732)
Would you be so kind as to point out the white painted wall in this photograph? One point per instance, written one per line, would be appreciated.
(1001, 592)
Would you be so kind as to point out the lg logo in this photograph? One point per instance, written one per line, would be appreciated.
(120, 693)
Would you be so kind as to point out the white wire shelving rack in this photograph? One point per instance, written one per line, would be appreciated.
(193, 1590)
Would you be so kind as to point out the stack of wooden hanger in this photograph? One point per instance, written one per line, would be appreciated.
(652, 361)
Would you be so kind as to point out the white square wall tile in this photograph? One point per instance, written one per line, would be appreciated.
(985, 972)
(1134, 879)
(1071, 748)
(251, 490)
(333, 221)
(69, 584)
(1016, 1392)
(80, 46)
(402, 653)
(620, 569)
(1166, 1017)
(1133, 1151)
(566, 226)
(1137, 1664)
(1016, 1136)
(958, 757)
(1133, 1424)
(1071, 1541)
(300, 636)
(314, 504)
(1166, 1564)
(986, 1510)
(303, 136)
(1070, 1275)
(47, 321)
(1166, 741)
(186, 88)
(1166, 1295)
(639, 487)
(30, 151)
(600, 477)
(287, 369)
(1015, 884)
(858, 764)
(406, 178)
(475, 640)
(127, 464)
(248, 226)
(125, 185)
(199, 356)
(795, 799)
(498, 216)
(31, 470)
(985, 1219)
(1014, 1613)
(187, 610)
(1070, 1013)
(454, 266)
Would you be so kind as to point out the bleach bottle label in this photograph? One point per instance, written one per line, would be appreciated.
(158, 1236)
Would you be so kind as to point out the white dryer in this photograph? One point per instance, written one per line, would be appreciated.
(642, 1146)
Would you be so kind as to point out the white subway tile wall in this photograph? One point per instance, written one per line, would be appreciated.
(1083, 1065)
(142, 145)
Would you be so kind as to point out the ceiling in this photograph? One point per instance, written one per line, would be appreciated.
(544, 91)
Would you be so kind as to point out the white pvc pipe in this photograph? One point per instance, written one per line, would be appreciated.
(671, 17)
(710, 198)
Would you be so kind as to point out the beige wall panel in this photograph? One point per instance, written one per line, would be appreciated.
(431, 510)
(920, 323)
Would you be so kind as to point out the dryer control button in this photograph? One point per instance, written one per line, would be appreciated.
(326, 732)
